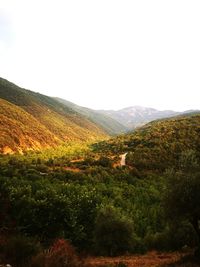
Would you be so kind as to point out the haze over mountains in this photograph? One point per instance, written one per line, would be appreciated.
(110, 125)
(29, 120)
(135, 116)
(123, 120)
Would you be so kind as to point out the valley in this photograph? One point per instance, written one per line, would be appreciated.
(74, 182)
(32, 121)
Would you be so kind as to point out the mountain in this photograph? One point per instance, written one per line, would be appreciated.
(135, 116)
(158, 144)
(19, 130)
(30, 120)
(110, 125)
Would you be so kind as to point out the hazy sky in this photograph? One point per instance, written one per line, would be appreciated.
(104, 53)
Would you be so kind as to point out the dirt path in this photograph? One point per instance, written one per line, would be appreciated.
(123, 159)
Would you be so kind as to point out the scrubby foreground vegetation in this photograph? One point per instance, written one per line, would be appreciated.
(57, 200)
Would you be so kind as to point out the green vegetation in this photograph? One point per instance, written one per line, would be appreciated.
(157, 145)
(114, 233)
(47, 201)
(183, 192)
(77, 195)
(99, 209)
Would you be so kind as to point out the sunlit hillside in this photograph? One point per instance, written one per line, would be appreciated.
(158, 144)
(30, 120)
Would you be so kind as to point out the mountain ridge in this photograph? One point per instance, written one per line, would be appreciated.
(108, 124)
(56, 122)
(158, 144)
(30, 120)
(136, 116)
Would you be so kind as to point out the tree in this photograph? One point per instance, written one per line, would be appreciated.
(182, 199)
(113, 233)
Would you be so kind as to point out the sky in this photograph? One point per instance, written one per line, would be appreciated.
(104, 54)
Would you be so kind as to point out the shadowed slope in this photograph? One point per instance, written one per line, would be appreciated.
(107, 123)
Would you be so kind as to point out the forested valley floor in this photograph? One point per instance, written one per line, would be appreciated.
(69, 205)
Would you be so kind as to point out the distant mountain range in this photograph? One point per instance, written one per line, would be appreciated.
(135, 116)
(110, 125)
(32, 121)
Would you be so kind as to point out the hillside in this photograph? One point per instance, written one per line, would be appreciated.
(158, 144)
(39, 121)
(107, 123)
(91, 200)
(20, 130)
(132, 117)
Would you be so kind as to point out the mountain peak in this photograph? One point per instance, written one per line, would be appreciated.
(134, 116)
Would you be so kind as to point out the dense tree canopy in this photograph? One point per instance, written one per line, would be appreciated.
(183, 191)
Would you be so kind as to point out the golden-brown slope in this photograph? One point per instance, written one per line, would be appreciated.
(40, 121)
(20, 131)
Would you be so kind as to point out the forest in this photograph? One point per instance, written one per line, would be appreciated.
(78, 200)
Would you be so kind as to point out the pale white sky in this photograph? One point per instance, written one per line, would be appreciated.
(104, 54)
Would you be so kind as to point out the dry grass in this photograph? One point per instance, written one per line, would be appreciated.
(151, 259)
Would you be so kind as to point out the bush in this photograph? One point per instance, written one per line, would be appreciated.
(158, 241)
(39, 260)
(182, 235)
(121, 264)
(18, 250)
(104, 162)
(62, 254)
(172, 238)
(113, 233)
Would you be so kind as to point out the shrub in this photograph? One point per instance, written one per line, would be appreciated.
(104, 162)
(172, 238)
(62, 254)
(113, 233)
(121, 264)
(39, 260)
(18, 250)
